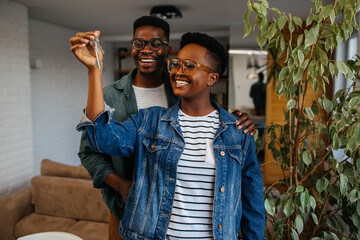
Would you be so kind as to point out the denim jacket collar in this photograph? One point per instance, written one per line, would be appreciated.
(225, 117)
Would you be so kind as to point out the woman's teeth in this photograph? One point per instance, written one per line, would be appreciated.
(181, 83)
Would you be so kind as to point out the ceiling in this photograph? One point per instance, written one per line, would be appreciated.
(114, 18)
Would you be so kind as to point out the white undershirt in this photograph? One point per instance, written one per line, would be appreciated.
(149, 97)
(192, 211)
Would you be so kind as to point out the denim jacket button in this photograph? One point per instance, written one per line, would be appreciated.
(219, 226)
(222, 153)
(222, 189)
(152, 146)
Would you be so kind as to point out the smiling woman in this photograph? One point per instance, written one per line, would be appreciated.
(191, 161)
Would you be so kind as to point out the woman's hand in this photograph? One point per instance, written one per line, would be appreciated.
(83, 50)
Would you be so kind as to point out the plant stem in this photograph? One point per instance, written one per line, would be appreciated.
(315, 167)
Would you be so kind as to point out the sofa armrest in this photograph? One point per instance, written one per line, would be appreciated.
(13, 207)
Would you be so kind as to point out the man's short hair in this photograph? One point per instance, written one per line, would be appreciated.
(153, 21)
(217, 53)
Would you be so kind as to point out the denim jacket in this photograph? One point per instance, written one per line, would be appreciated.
(155, 138)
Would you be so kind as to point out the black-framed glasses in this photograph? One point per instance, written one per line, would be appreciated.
(189, 67)
(154, 43)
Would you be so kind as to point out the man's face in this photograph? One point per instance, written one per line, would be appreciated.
(196, 85)
(148, 61)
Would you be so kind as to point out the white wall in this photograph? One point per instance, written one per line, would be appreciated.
(16, 148)
(240, 85)
(59, 90)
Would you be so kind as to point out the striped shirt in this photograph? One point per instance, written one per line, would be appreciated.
(145, 97)
(192, 210)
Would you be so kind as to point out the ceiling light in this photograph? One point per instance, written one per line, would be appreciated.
(166, 12)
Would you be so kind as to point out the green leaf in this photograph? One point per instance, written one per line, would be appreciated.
(356, 220)
(283, 73)
(272, 31)
(297, 21)
(281, 22)
(246, 15)
(330, 221)
(309, 113)
(291, 27)
(304, 199)
(279, 88)
(328, 105)
(282, 44)
(334, 236)
(301, 56)
(315, 219)
(343, 184)
(306, 157)
(300, 39)
(358, 208)
(354, 102)
(288, 207)
(312, 202)
(340, 125)
(331, 68)
(247, 28)
(322, 184)
(299, 189)
(298, 75)
(294, 234)
(309, 19)
(299, 225)
(277, 11)
(269, 207)
(261, 40)
(332, 16)
(342, 67)
(290, 104)
(353, 195)
(256, 135)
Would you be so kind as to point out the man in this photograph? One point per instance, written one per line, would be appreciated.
(145, 86)
(196, 175)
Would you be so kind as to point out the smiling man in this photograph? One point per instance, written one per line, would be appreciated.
(147, 85)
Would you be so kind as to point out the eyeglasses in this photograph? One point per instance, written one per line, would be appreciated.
(154, 44)
(189, 67)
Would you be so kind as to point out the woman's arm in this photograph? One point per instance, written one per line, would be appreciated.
(85, 53)
(95, 100)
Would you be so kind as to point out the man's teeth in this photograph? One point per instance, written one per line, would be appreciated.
(181, 83)
(147, 60)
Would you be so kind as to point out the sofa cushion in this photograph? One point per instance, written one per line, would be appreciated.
(68, 197)
(89, 230)
(35, 223)
(51, 168)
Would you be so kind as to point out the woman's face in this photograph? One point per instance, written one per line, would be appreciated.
(197, 85)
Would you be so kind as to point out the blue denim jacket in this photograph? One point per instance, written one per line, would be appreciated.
(155, 138)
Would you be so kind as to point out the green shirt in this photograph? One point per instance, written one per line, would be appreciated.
(120, 96)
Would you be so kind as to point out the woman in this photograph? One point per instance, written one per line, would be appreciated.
(195, 174)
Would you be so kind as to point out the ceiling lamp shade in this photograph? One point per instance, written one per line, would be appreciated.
(166, 12)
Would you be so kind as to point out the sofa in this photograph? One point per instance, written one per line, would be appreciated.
(61, 199)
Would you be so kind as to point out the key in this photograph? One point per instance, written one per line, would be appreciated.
(96, 44)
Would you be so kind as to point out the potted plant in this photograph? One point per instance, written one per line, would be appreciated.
(319, 195)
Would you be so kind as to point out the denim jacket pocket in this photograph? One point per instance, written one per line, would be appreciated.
(237, 154)
(154, 144)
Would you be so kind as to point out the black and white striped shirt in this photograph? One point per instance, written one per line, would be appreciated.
(192, 211)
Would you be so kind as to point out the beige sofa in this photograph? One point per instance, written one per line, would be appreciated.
(62, 199)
